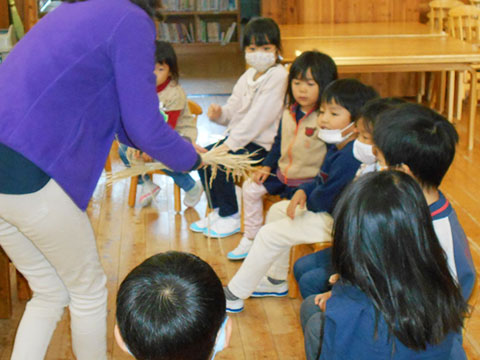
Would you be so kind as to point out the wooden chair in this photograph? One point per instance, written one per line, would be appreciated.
(438, 19)
(196, 110)
(464, 24)
(475, 3)
(23, 290)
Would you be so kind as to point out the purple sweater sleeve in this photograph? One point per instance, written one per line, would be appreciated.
(132, 54)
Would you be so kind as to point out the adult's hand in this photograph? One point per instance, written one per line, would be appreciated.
(321, 300)
(214, 112)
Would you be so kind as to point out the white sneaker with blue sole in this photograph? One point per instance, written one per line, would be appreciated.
(235, 306)
(223, 227)
(266, 288)
(201, 225)
(241, 251)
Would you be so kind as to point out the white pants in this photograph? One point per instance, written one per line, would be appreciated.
(270, 253)
(51, 242)
(252, 207)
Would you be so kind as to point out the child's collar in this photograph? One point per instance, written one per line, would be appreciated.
(163, 85)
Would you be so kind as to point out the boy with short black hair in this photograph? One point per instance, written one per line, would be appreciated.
(172, 306)
(288, 223)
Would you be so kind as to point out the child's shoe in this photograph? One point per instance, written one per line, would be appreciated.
(148, 191)
(267, 288)
(234, 304)
(192, 196)
(241, 251)
(223, 226)
(201, 225)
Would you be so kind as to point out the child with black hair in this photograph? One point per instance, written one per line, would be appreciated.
(174, 104)
(172, 307)
(252, 114)
(313, 271)
(287, 224)
(394, 299)
(297, 152)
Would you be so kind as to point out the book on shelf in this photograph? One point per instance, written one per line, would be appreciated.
(213, 32)
(229, 33)
(178, 5)
(217, 5)
(177, 32)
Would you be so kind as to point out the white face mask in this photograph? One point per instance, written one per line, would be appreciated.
(363, 152)
(334, 136)
(260, 60)
(221, 338)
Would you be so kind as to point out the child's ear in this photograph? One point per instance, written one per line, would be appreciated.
(406, 169)
(119, 339)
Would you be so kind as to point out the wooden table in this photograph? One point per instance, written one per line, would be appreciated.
(396, 54)
(355, 30)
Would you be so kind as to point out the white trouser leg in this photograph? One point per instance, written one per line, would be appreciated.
(252, 208)
(272, 245)
(51, 242)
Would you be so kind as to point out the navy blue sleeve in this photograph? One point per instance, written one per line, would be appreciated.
(275, 152)
(342, 170)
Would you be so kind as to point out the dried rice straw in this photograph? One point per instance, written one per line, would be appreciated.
(237, 166)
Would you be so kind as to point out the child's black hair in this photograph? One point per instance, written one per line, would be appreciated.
(171, 306)
(384, 244)
(350, 94)
(322, 67)
(262, 31)
(373, 108)
(418, 137)
(165, 54)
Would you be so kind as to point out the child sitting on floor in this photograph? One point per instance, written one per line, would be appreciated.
(252, 114)
(313, 271)
(172, 307)
(297, 152)
(173, 102)
(395, 297)
(286, 224)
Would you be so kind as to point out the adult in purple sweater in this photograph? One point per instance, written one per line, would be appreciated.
(83, 74)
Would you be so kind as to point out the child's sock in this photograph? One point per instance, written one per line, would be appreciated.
(228, 294)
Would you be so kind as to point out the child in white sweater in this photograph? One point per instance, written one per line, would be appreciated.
(252, 114)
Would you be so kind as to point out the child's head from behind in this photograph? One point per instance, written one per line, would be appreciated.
(414, 136)
(261, 43)
(385, 245)
(365, 123)
(340, 107)
(308, 76)
(171, 306)
(165, 62)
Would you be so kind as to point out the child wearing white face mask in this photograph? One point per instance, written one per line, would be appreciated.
(252, 114)
(288, 223)
(313, 271)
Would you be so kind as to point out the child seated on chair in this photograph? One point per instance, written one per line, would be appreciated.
(288, 223)
(313, 271)
(395, 297)
(173, 102)
(297, 152)
(172, 307)
(251, 114)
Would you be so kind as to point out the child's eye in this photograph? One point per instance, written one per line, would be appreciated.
(311, 83)
(334, 114)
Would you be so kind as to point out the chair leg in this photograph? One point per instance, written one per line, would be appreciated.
(451, 94)
(421, 87)
(132, 193)
(460, 94)
(443, 87)
(23, 289)
(473, 109)
(177, 198)
(5, 295)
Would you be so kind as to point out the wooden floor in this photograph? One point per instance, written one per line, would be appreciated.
(268, 328)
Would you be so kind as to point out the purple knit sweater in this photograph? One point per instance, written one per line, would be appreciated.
(81, 75)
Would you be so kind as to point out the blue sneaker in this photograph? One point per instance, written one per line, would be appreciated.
(223, 227)
(266, 288)
(201, 225)
(241, 251)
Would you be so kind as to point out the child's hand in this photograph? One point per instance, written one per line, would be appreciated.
(199, 149)
(299, 199)
(214, 112)
(260, 175)
(146, 157)
(334, 278)
(321, 300)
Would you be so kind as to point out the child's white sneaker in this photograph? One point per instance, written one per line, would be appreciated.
(192, 196)
(267, 288)
(201, 225)
(148, 191)
(235, 306)
(223, 226)
(241, 251)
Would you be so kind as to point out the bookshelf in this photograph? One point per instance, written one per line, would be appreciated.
(201, 25)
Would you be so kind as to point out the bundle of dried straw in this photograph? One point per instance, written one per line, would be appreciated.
(218, 158)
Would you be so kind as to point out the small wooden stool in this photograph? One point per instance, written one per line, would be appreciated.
(23, 290)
